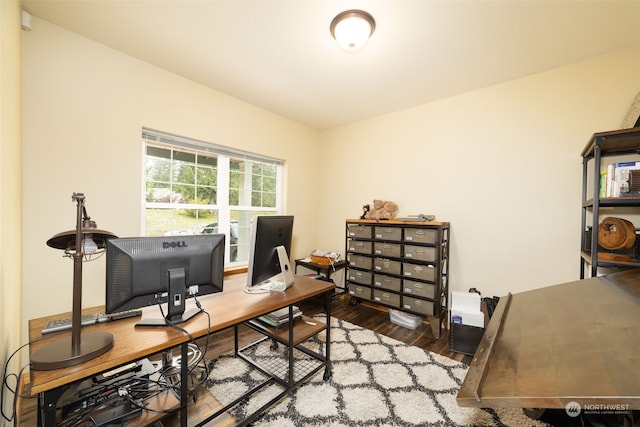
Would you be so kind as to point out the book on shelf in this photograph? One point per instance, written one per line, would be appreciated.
(620, 179)
(609, 189)
(280, 317)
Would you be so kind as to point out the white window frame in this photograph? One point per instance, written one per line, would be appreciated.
(225, 156)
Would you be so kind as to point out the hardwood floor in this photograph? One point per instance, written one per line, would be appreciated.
(376, 318)
(369, 316)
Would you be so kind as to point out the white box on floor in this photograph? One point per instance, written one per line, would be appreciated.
(465, 301)
(465, 309)
(468, 318)
(406, 320)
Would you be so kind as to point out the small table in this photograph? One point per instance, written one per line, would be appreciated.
(324, 269)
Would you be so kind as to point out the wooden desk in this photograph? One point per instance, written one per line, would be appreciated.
(574, 342)
(231, 307)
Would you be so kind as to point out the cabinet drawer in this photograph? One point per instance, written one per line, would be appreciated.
(360, 261)
(387, 249)
(388, 233)
(426, 290)
(420, 235)
(359, 231)
(418, 305)
(362, 277)
(387, 282)
(386, 298)
(387, 266)
(421, 272)
(359, 246)
(420, 253)
(360, 291)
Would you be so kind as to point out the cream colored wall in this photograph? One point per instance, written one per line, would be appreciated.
(502, 164)
(85, 105)
(10, 190)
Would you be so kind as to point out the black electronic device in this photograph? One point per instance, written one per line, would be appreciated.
(143, 271)
(116, 413)
(85, 396)
(269, 266)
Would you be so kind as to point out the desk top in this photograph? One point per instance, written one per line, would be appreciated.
(574, 342)
(227, 308)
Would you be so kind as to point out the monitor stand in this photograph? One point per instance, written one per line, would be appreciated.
(285, 278)
(176, 291)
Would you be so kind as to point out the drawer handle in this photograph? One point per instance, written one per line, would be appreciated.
(420, 251)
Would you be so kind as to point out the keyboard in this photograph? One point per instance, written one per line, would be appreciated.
(57, 325)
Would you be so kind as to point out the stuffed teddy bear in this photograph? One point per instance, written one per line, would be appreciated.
(382, 209)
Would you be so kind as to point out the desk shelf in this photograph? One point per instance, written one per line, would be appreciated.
(303, 329)
(287, 356)
(275, 362)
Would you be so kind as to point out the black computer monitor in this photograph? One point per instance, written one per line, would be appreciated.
(270, 245)
(143, 271)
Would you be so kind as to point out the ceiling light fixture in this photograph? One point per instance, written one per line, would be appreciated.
(352, 29)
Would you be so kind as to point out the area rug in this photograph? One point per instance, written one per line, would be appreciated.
(376, 381)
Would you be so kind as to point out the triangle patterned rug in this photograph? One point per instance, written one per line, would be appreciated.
(376, 381)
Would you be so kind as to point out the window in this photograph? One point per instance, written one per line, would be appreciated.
(193, 187)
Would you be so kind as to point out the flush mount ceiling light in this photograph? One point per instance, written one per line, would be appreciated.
(352, 29)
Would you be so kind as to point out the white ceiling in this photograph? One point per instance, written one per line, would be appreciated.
(279, 54)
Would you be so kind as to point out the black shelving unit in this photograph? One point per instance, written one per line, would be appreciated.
(602, 145)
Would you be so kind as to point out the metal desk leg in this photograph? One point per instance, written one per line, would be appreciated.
(291, 380)
(327, 345)
(47, 405)
(184, 383)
